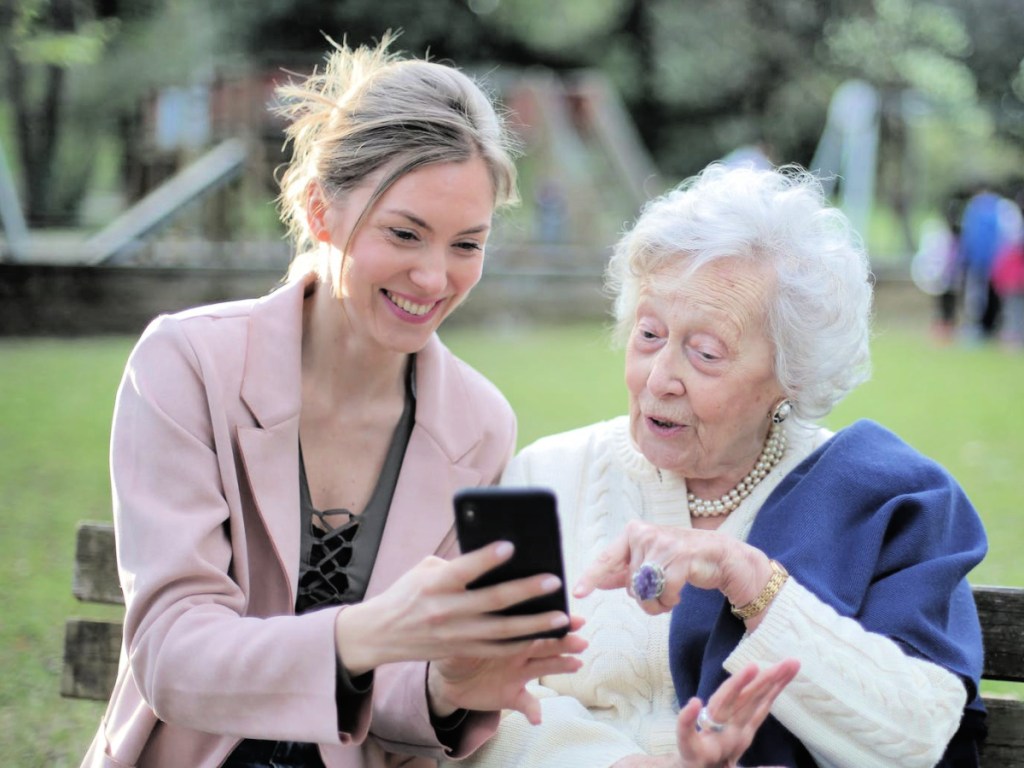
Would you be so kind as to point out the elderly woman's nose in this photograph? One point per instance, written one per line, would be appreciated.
(665, 375)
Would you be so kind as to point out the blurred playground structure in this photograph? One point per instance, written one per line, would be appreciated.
(584, 165)
(585, 170)
(202, 155)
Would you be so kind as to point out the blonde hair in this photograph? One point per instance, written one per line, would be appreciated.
(370, 109)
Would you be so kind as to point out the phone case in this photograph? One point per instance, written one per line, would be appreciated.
(527, 517)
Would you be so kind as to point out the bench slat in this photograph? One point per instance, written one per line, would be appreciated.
(95, 578)
(1001, 610)
(91, 650)
(1004, 747)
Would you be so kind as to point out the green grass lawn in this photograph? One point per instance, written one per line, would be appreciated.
(55, 405)
(960, 406)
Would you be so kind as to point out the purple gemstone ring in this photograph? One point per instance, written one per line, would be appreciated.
(648, 582)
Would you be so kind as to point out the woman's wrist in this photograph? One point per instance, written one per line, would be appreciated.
(353, 641)
(759, 604)
(750, 573)
(440, 705)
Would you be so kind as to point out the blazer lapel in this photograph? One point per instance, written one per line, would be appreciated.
(421, 518)
(271, 388)
(271, 460)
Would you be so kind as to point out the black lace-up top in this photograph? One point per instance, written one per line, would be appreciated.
(338, 550)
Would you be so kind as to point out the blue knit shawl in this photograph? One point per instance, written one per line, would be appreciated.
(876, 530)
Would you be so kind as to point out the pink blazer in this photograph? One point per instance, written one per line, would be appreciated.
(204, 467)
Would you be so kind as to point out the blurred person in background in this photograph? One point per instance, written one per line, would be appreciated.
(937, 269)
(987, 225)
(1008, 274)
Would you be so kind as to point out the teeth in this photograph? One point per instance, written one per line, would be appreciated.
(408, 306)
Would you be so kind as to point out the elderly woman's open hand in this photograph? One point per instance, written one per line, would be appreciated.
(733, 714)
(654, 563)
(716, 736)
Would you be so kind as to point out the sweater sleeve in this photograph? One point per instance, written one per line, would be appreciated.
(858, 699)
(569, 737)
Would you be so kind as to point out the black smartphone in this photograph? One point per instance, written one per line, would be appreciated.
(527, 517)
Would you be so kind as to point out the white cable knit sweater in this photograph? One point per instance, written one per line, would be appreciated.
(857, 701)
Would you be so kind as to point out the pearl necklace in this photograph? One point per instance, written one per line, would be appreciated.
(774, 447)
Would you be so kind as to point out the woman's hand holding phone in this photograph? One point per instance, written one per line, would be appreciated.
(477, 618)
(526, 518)
(429, 614)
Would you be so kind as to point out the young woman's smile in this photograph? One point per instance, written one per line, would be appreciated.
(408, 309)
(415, 256)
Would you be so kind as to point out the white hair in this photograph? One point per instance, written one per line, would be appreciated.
(819, 312)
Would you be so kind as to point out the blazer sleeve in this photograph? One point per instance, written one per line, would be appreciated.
(196, 659)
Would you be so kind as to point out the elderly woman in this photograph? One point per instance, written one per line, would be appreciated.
(746, 531)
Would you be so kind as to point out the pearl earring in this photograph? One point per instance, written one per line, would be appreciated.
(781, 411)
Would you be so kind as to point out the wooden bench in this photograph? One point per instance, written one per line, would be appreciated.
(91, 647)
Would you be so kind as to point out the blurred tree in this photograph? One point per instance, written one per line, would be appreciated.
(996, 57)
(711, 77)
(42, 41)
(442, 29)
(75, 71)
(907, 50)
(699, 79)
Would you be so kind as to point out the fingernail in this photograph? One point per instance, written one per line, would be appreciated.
(560, 620)
(551, 583)
(504, 548)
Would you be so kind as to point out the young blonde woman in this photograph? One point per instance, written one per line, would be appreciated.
(283, 468)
